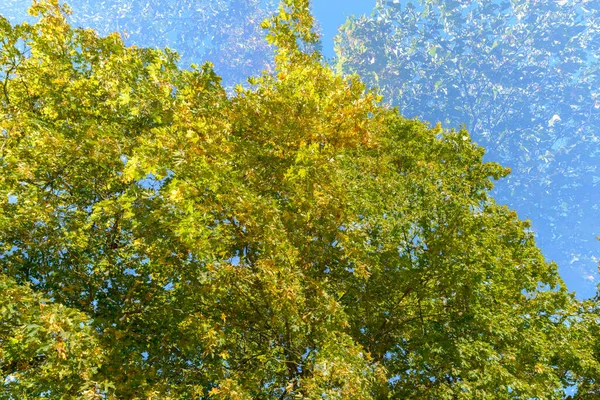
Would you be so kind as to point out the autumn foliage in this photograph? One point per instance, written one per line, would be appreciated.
(163, 239)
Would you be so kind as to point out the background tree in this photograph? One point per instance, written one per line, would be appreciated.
(523, 77)
(296, 239)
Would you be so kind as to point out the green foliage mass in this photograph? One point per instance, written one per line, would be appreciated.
(160, 239)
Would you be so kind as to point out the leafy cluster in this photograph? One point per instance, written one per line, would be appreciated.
(45, 346)
(294, 240)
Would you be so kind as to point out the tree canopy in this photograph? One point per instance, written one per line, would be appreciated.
(161, 239)
(523, 76)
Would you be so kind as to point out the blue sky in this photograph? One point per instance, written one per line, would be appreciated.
(332, 13)
(557, 244)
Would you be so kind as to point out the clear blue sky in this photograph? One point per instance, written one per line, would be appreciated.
(332, 13)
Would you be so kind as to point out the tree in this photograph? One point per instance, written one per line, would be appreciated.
(295, 240)
(523, 77)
